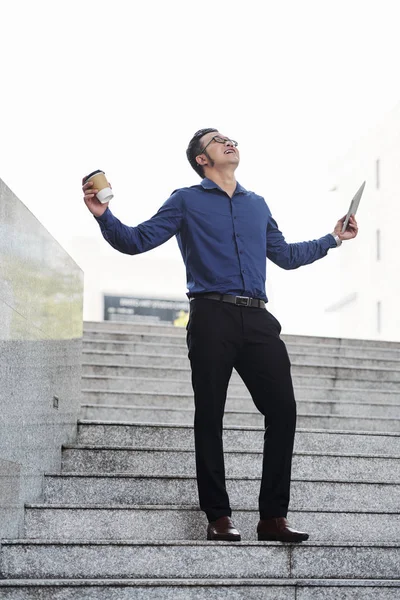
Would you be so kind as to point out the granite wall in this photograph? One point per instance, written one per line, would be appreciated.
(41, 292)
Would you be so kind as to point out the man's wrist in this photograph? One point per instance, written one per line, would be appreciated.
(102, 217)
(337, 239)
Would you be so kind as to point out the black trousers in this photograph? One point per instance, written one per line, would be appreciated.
(220, 337)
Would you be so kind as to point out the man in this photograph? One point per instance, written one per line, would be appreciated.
(225, 233)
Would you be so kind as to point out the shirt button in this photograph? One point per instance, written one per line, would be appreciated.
(243, 271)
(237, 235)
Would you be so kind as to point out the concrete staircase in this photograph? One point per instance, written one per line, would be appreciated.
(121, 520)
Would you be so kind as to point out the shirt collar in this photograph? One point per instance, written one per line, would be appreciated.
(208, 184)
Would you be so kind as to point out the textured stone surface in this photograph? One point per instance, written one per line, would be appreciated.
(185, 416)
(179, 381)
(250, 438)
(329, 591)
(138, 347)
(238, 464)
(351, 561)
(302, 393)
(183, 589)
(180, 359)
(159, 328)
(126, 559)
(340, 488)
(344, 394)
(306, 495)
(375, 424)
(154, 590)
(363, 376)
(344, 409)
(186, 400)
(322, 406)
(294, 339)
(176, 523)
(296, 350)
(40, 355)
(201, 559)
(325, 375)
(120, 336)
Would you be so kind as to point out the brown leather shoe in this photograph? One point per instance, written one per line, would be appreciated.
(279, 530)
(223, 530)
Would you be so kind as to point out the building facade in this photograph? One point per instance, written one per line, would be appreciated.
(368, 287)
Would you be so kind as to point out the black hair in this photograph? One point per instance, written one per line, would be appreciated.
(194, 149)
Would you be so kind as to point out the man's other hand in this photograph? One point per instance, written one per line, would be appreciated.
(90, 199)
(351, 230)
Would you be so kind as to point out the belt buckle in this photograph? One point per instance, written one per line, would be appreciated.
(242, 300)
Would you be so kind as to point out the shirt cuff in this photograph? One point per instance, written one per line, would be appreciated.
(332, 240)
(105, 218)
(327, 242)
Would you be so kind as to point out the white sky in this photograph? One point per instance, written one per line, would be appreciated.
(122, 85)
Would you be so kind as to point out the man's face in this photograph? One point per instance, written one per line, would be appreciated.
(216, 153)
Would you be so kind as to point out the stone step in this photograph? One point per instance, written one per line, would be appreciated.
(169, 559)
(167, 330)
(129, 327)
(138, 398)
(109, 326)
(325, 350)
(200, 589)
(181, 360)
(175, 337)
(168, 381)
(158, 461)
(150, 338)
(161, 415)
(314, 495)
(112, 327)
(246, 438)
(155, 523)
(381, 377)
(310, 407)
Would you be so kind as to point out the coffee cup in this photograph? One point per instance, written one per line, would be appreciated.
(100, 183)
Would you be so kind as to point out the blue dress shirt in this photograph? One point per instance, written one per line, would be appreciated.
(224, 241)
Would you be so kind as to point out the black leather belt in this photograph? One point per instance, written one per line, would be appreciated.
(238, 300)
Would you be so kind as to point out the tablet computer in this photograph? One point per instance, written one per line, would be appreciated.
(353, 206)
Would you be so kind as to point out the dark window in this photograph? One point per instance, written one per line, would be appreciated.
(378, 244)
(379, 316)
(378, 175)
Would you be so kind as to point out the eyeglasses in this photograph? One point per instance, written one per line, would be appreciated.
(219, 140)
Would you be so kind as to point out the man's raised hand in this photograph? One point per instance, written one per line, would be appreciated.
(90, 199)
(351, 230)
